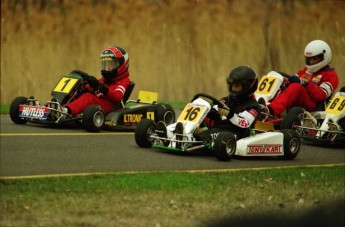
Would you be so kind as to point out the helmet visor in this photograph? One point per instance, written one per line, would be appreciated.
(109, 63)
(314, 59)
(234, 87)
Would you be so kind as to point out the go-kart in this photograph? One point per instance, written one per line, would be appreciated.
(125, 116)
(320, 126)
(269, 87)
(182, 136)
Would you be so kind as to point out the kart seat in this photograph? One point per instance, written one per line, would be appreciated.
(128, 93)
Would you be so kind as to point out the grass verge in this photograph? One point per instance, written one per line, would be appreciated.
(167, 198)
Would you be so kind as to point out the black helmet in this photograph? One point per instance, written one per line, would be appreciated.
(114, 61)
(245, 76)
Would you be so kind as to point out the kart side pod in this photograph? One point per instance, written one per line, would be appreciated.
(264, 144)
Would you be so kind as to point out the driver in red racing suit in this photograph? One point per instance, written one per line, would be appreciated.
(242, 108)
(109, 89)
(311, 85)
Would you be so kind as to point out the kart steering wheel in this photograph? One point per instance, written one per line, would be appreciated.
(214, 100)
(82, 74)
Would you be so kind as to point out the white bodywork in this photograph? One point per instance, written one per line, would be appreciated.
(263, 144)
(269, 86)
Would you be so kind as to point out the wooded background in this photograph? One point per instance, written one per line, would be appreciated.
(176, 47)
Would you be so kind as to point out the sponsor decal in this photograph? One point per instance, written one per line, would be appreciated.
(265, 149)
(109, 123)
(242, 122)
(33, 112)
(214, 135)
(317, 79)
(132, 118)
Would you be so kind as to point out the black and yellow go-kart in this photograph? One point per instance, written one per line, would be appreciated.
(125, 116)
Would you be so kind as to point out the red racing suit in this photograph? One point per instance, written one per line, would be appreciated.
(321, 86)
(117, 88)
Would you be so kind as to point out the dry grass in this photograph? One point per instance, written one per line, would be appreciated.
(177, 48)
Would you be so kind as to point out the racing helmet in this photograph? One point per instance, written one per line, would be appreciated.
(320, 50)
(113, 62)
(245, 76)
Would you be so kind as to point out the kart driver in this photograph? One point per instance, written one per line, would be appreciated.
(313, 84)
(110, 88)
(241, 108)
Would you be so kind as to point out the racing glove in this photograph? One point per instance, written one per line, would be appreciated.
(103, 89)
(296, 79)
(223, 110)
(94, 83)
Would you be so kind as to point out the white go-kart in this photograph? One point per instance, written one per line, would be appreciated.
(325, 126)
(181, 136)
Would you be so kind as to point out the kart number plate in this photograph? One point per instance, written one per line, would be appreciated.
(192, 113)
(65, 85)
(36, 112)
(337, 105)
(266, 85)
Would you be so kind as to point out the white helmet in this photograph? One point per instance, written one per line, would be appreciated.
(317, 48)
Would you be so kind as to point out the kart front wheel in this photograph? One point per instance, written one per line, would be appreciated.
(93, 118)
(292, 144)
(14, 110)
(144, 129)
(224, 146)
(165, 113)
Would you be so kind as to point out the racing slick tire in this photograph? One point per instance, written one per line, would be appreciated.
(144, 129)
(292, 118)
(93, 118)
(224, 146)
(164, 113)
(14, 110)
(291, 144)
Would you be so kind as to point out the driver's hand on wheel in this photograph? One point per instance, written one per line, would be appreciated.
(94, 83)
(223, 112)
(224, 109)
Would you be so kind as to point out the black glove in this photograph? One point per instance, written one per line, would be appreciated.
(103, 89)
(294, 79)
(94, 83)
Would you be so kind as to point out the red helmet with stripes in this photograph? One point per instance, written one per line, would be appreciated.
(113, 62)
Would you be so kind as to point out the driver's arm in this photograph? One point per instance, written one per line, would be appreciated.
(245, 118)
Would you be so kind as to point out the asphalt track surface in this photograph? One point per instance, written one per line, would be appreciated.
(33, 150)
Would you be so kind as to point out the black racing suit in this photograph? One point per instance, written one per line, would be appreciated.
(243, 113)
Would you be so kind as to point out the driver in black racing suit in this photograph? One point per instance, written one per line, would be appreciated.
(241, 108)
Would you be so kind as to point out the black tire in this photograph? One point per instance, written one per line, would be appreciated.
(93, 118)
(165, 113)
(14, 110)
(292, 118)
(144, 129)
(292, 144)
(224, 146)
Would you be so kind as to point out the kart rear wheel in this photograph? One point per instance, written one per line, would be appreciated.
(14, 110)
(224, 146)
(93, 118)
(292, 144)
(144, 129)
(165, 113)
(292, 118)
